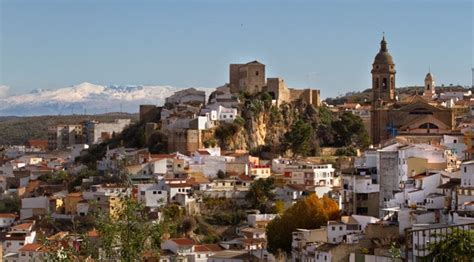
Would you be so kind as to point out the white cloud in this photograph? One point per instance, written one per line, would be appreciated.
(4, 90)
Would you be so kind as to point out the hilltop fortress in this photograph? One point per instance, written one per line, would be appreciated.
(250, 78)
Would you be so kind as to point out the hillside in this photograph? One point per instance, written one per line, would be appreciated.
(17, 130)
(365, 96)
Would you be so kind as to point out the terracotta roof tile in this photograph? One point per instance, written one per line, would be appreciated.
(31, 247)
(183, 241)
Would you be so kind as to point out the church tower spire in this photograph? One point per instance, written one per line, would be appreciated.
(383, 76)
(429, 91)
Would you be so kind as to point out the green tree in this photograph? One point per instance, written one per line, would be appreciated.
(297, 139)
(308, 213)
(260, 195)
(456, 246)
(349, 130)
(127, 235)
(10, 204)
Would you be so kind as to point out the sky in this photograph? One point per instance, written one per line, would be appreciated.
(328, 45)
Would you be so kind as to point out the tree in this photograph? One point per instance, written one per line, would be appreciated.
(349, 130)
(221, 174)
(260, 195)
(130, 233)
(188, 225)
(10, 204)
(308, 213)
(298, 138)
(456, 246)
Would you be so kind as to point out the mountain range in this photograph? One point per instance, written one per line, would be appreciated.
(85, 98)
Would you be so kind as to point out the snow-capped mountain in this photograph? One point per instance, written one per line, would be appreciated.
(85, 97)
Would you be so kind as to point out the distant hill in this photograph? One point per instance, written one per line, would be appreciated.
(85, 97)
(17, 130)
(364, 97)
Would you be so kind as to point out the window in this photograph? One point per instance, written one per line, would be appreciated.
(340, 228)
(333, 239)
(154, 192)
(333, 228)
(256, 73)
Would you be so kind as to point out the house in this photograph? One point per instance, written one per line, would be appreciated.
(233, 256)
(301, 238)
(310, 175)
(33, 206)
(323, 252)
(18, 236)
(70, 202)
(6, 220)
(152, 195)
(203, 252)
(181, 248)
(260, 171)
(360, 193)
(290, 193)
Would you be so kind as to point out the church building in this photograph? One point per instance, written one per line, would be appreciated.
(420, 117)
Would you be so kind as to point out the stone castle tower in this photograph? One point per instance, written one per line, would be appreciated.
(429, 86)
(383, 92)
(383, 76)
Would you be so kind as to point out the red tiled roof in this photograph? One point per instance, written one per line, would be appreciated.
(31, 247)
(296, 187)
(207, 248)
(23, 226)
(183, 241)
(203, 152)
(176, 185)
(244, 177)
(7, 215)
(38, 143)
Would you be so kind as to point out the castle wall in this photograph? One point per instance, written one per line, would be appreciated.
(277, 88)
(310, 96)
(149, 113)
(184, 140)
(234, 77)
(252, 77)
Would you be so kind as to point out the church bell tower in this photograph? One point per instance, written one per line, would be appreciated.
(383, 92)
(429, 86)
(383, 76)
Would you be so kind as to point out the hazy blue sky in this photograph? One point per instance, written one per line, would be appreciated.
(52, 44)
